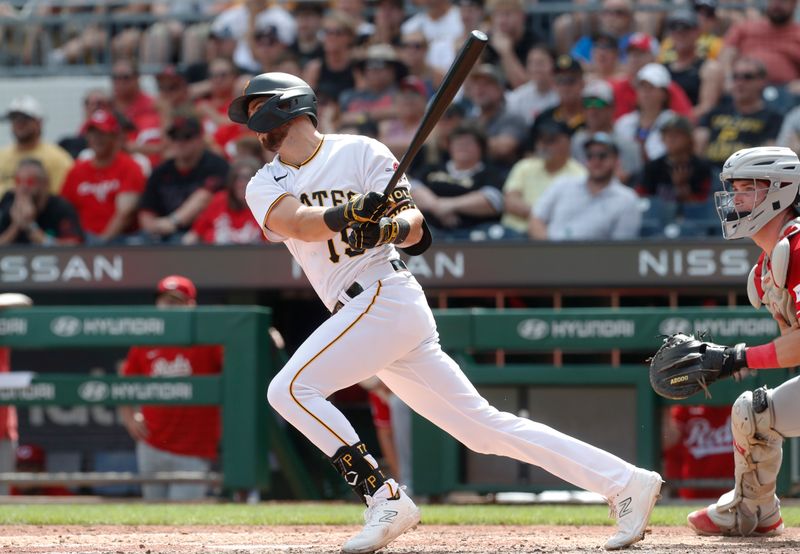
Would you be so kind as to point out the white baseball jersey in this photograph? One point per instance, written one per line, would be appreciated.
(342, 166)
(388, 331)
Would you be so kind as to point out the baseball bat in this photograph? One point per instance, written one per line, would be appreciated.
(452, 81)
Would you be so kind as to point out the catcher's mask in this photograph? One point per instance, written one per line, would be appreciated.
(775, 173)
(288, 97)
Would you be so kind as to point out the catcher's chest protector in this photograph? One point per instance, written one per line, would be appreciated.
(766, 283)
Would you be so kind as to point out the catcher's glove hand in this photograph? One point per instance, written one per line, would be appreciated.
(684, 365)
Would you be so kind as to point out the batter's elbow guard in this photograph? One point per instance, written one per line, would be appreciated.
(423, 244)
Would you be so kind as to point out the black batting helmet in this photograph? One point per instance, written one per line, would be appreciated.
(290, 97)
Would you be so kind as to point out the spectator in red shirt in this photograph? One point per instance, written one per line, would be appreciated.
(173, 438)
(105, 188)
(227, 220)
(8, 414)
(773, 40)
(139, 108)
(642, 50)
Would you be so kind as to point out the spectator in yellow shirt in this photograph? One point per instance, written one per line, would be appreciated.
(25, 115)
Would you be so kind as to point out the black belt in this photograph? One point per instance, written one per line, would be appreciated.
(355, 289)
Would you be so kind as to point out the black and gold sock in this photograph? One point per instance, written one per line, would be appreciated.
(359, 469)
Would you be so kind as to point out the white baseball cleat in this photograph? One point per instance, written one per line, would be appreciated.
(386, 519)
(632, 508)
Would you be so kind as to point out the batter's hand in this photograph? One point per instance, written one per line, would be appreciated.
(370, 235)
(361, 208)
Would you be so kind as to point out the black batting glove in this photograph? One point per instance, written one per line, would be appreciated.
(362, 208)
(370, 235)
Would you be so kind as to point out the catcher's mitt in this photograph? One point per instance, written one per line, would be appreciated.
(684, 365)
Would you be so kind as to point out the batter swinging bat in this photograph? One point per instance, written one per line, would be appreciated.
(456, 75)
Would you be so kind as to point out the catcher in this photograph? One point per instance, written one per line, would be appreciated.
(758, 201)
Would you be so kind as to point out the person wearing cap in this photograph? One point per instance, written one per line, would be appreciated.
(702, 15)
(9, 435)
(462, 194)
(31, 214)
(173, 92)
(569, 86)
(440, 22)
(594, 207)
(380, 70)
(774, 40)
(598, 100)
(333, 73)
(181, 187)
(510, 39)
(105, 188)
(616, 19)
(93, 99)
(505, 132)
(643, 126)
(701, 79)
(743, 123)
(173, 438)
(539, 93)
(605, 63)
(531, 176)
(679, 176)
(25, 115)
(642, 50)
(397, 132)
(227, 220)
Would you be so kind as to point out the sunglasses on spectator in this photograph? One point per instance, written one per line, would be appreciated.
(597, 155)
(618, 12)
(122, 76)
(415, 45)
(28, 182)
(566, 81)
(750, 76)
(183, 137)
(268, 39)
(335, 32)
(16, 117)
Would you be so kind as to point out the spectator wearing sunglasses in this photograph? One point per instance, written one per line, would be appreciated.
(594, 207)
(26, 116)
(413, 51)
(138, 108)
(569, 86)
(745, 122)
(31, 214)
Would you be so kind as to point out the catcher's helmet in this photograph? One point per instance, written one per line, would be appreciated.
(290, 97)
(779, 166)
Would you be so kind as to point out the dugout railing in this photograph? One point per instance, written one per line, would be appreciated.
(492, 347)
(249, 428)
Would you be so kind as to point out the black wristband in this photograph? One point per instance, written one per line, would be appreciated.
(334, 218)
(403, 229)
(734, 359)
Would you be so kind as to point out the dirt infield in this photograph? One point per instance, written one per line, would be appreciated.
(32, 539)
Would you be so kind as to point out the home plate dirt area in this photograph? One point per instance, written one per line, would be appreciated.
(115, 539)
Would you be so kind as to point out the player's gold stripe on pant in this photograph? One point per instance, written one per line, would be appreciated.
(318, 354)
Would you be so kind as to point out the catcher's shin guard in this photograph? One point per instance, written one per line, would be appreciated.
(757, 456)
(359, 469)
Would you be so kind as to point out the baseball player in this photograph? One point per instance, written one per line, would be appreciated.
(317, 189)
(758, 201)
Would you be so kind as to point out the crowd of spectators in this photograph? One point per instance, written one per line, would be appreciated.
(604, 124)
